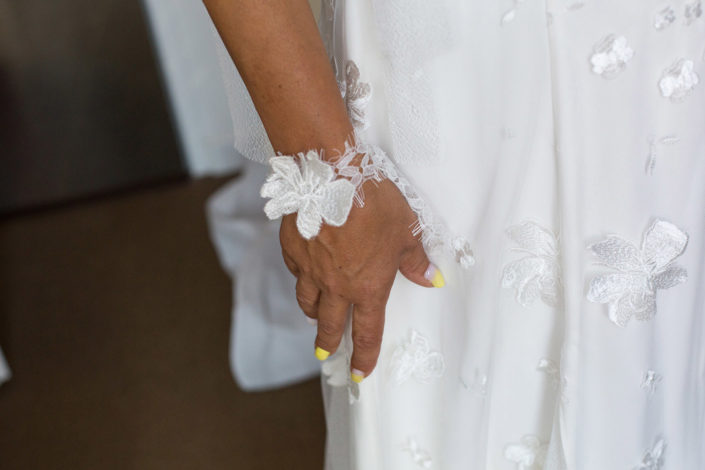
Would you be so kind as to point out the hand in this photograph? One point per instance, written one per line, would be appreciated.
(356, 264)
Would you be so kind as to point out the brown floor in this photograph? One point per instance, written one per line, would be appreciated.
(114, 316)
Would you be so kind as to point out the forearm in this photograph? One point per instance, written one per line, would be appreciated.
(277, 49)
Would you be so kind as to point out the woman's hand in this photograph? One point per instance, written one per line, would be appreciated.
(356, 264)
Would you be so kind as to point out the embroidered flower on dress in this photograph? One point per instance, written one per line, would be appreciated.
(653, 458)
(552, 371)
(530, 454)
(631, 291)
(309, 188)
(693, 11)
(650, 380)
(421, 457)
(538, 274)
(414, 359)
(510, 14)
(337, 369)
(610, 56)
(653, 143)
(478, 384)
(463, 252)
(678, 80)
(356, 95)
(664, 18)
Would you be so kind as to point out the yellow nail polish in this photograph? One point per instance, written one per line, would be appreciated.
(357, 376)
(321, 354)
(438, 280)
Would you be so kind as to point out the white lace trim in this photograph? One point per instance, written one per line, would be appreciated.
(413, 358)
(640, 272)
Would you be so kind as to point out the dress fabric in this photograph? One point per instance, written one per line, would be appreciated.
(561, 147)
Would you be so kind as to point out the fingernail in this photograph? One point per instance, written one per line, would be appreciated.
(312, 321)
(357, 375)
(321, 354)
(434, 275)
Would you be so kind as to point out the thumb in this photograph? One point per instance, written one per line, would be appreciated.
(416, 267)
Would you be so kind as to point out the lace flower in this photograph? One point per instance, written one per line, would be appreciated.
(414, 359)
(693, 11)
(356, 95)
(530, 454)
(640, 272)
(664, 18)
(463, 253)
(653, 458)
(678, 80)
(537, 274)
(337, 370)
(650, 381)
(421, 457)
(610, 56)
(309, 188)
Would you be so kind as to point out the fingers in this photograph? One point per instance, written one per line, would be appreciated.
(332, 315)
(307, 295)
(416, 267)
(367, 329)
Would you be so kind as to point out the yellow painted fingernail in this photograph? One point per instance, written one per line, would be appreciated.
(434, 275)
(321, 354)
(357, 376)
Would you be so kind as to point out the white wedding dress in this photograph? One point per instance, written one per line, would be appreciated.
(559, 150)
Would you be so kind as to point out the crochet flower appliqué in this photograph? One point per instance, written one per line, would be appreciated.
(537, 274)
(610, 56)
(530, 454)
(631, 291)
(678, 80)
(414, 359)
(309, 188)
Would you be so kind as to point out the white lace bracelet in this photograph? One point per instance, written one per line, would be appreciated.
(317, 189)
(320, 190)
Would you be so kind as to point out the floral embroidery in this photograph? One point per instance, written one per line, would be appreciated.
(575, 5)
(693, 11)
(610, 56)
(631, 291)
(678, 80)
(650, 380)
(538, 274)
(530, 454)
(309, 188)
(653, 458)
(463, 252)
(356, 95)
(421, 457)
(651, 161)
(337, 369)
(664, 18)
(510, 14)
(414, 359)
(478, 384)
(550, 368)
